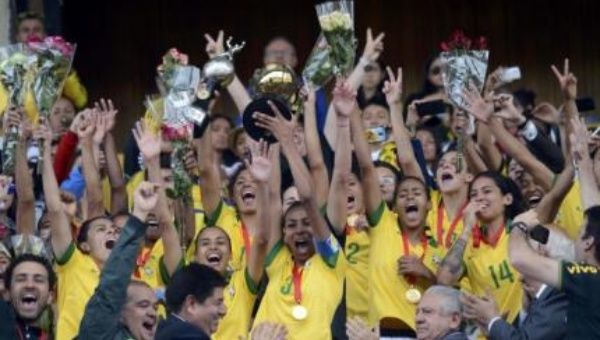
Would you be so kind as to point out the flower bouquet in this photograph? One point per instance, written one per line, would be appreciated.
(464, 62)
(54, 57)
(178, 82)
(15, 75)
(337, 23)
(319, 66)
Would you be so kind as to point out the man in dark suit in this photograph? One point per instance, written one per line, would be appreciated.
(545, 316)
(195, 299)
(544, 313)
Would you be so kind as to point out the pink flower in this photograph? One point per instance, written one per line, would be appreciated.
(444, 46)
(58, 43)
(172, 133)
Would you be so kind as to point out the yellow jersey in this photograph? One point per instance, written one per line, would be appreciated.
(570, 213)
(239, 296)
(445, 231)
(78, 277)
(357, 273)
(226, 218)
(198, 210)
(321, 282)
(150, 267)
(488, 268)
(387, 289)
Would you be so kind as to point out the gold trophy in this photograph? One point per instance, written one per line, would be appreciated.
(279, 84)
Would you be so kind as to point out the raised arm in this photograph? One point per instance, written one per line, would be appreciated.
(313, 148)
(210, 177)
(25, 199)
(526, 260)
(406, 155)
(590, 193)
(118, 199)
(261, 168)
(103, 311)
(452, 269)
(483, 111)
(372, 51)
(236, 89)
(344, 102)
(90, 143)
(300, 173)
(548, 207)
(370, 182)
(60, 226)
(150, 145)
(568, 86)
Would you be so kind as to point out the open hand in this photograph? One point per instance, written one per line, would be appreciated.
(107, 110)
(280, 127)
(259, 165)
(476, 105)
(148, 142)
(344, 98)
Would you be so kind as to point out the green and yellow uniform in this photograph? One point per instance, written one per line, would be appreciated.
(239, 296)
(320, 282)
(78, 277)
(387, 292)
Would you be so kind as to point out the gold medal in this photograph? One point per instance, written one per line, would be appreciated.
(299, 312)
(148, 271)
(413, 295)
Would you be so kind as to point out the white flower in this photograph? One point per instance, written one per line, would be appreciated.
(325, 22)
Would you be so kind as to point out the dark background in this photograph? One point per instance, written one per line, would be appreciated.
(120, 43)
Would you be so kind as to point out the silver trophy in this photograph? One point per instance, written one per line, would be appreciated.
(219, 70)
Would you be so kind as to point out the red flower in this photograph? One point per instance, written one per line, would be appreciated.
(482, 43)
(170, 133)
(459, 41)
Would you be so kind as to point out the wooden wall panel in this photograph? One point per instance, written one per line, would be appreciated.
(120, 42)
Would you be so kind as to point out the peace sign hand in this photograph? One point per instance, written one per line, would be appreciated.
(566, 80)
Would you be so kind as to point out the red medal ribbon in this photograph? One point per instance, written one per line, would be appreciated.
(406, 246)
(297, 282)
(440, 224)
(141, 261)
(478, 236)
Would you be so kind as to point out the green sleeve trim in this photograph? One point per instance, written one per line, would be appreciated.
(331, 262)
(164, 272)
(273, 253)
(375, 217)
(252, 286)
(212, 218)
(67, 255)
